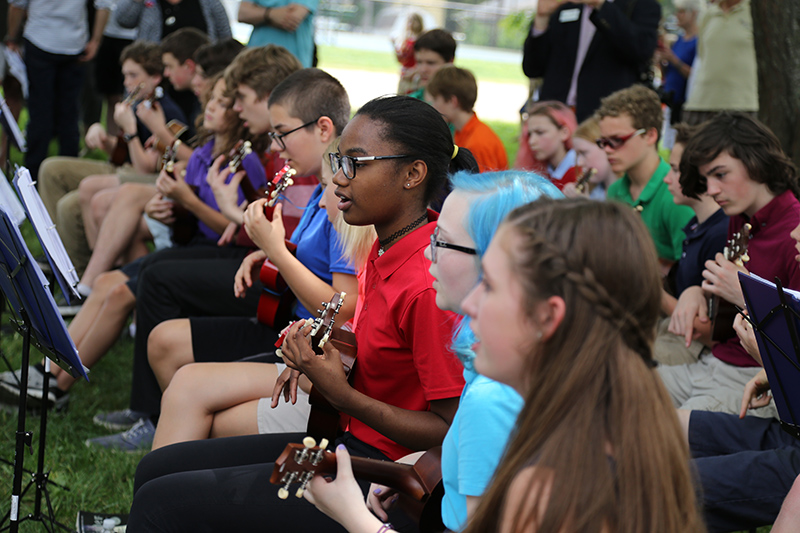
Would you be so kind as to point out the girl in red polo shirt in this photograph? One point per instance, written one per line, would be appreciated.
(393, 158)
(550, 128)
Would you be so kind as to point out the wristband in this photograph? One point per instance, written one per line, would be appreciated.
(267, 21)
(128, 137)
(385, 527)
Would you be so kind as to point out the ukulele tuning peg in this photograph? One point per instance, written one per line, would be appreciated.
(309, 442)
(323, 444)
(283, 493)
(289, 182)
(273, 194)
(300, 491)
(279, 353)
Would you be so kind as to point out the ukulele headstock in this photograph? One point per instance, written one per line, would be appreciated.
(736, 249)
(241, 150)
(321, 326)
(584, 178)
(299, 463)
(280, 182)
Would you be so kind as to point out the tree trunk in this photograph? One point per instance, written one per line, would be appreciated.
(776, 33)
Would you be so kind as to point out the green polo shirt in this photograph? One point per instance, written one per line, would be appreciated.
(663, 218)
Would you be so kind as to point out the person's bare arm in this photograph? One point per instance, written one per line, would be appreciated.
(100, 20)
(16, 16)
(250, 13)
(416, 430)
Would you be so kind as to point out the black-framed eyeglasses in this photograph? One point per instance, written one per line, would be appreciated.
(348, 163)
(278, 137)
(615, 143)
(436, 243)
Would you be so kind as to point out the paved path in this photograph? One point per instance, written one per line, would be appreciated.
(496, 101)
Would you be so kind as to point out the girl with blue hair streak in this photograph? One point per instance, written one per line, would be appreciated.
(487, 410)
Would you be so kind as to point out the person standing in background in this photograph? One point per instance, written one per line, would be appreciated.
(155, 19)
(676, 61)
(588, 49)
(282, 23)
(404, 51)
(726, 78)
(56, 44)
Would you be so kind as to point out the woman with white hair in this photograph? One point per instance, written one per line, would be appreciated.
(677, 60)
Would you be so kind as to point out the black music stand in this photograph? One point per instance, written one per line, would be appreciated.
(775, 316)
(39, 323)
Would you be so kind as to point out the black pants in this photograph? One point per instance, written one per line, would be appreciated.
(223, 485)
(54, 88)
(180, 283)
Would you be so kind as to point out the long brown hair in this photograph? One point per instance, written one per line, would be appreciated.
(235, 132)
(598, 424)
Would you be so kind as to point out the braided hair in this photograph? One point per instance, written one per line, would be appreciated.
(598, 424)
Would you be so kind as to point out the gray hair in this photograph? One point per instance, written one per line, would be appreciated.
(697, 6)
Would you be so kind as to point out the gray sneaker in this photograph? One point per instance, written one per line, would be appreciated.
(139, 438)
(119, 420)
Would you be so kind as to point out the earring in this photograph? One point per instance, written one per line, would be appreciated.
(408, 185)
(539, 335)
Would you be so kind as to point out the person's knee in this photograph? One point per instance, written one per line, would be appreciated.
(120, 297)
(161, 342)
(182, 387)
(108, 280)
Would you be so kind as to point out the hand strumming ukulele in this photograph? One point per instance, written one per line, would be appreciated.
(324, 420)
(185, 226)
(120, 153)
(720, 311)
(419, 485)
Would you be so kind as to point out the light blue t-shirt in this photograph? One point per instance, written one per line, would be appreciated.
(475, 443)
(300, 42)
(318, 246)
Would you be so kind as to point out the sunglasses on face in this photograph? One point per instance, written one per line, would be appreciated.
(615, 143)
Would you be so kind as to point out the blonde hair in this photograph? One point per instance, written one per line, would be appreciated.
(356, 241)
(588, 130)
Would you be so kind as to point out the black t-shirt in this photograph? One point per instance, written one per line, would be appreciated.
(184, 14)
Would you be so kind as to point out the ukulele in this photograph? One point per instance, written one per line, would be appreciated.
(419, 485)
(584, 178)
(185, 225)
(178, 129)
(279, 183)
(120, 153)
(720, 311)
(275, 302)
(324, 419)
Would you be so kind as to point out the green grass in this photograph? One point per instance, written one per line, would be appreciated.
(332, 57)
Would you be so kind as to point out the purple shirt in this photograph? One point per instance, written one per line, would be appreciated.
(197, 169)
(772, 253)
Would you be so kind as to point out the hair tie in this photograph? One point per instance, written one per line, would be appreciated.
(455, 151)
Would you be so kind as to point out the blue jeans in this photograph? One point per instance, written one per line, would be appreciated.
(55, 82)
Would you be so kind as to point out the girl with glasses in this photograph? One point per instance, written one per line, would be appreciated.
(597, 445)
(405, 384)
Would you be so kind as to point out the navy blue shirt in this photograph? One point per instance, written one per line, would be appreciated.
(702, 242)
(171, 112)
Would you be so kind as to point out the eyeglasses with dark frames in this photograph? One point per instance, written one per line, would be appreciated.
(615, 143)
(436, 243)
(349, 163)
(278, 137)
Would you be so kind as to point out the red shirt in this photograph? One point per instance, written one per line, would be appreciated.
(772, 253)
(404, 356)
(484, 144)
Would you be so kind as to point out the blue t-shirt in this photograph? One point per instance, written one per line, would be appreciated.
(475, 443)
(197, 170)
(318, 247)
(674, 82)
(299, 42)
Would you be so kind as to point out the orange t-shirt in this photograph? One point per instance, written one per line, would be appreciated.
(484, 144)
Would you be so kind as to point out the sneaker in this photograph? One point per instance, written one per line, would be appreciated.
(119, 420)
(139, 438)
(10, 389)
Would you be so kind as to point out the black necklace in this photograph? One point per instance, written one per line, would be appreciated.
(397, 234)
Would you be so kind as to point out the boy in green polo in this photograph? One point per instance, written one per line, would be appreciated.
(629, 121)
